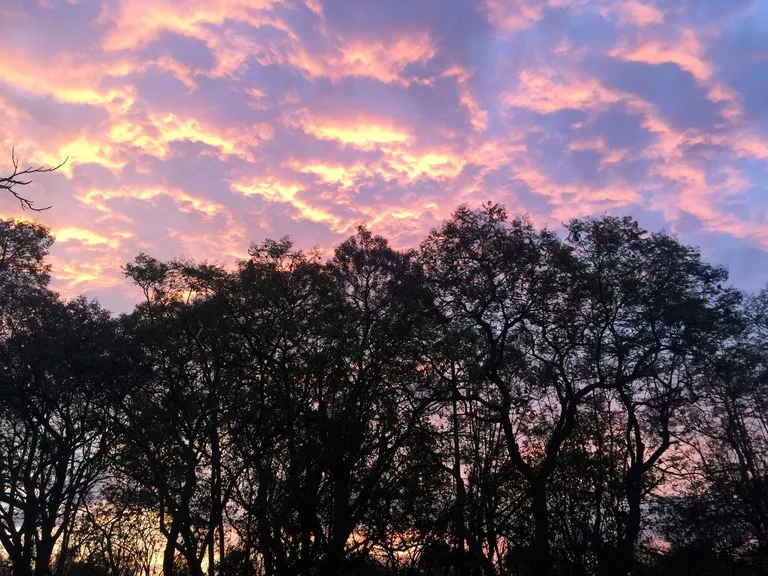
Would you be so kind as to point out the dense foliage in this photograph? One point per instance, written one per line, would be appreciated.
(501, 400)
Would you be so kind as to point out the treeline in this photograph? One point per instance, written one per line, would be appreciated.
(502, 400)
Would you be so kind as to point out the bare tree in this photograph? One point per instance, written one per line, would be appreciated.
(20, 177)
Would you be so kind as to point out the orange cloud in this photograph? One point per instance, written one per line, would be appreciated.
(576, 199)
(359, 57)
(477, 116)
(70, 78)
(162, 129)
(74, 274)
(99, 199)
(345, 176)
(366, 134)
(78, 151)
(720, 93)
(609, 155)
(88, 237)
(134, 24)
(274, 190)
(751, 145)
(436, 165)
(222, 246)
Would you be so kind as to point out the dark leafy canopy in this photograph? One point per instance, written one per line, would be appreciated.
(503, 400)
(23, 249)
(610, 315)
(55, 364)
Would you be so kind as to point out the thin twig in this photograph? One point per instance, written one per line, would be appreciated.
(20, 178)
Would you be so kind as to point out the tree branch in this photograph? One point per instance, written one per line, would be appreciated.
(20, 177)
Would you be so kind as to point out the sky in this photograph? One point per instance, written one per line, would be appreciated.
(194, 127)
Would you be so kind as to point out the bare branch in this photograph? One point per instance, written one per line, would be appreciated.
(20, 177)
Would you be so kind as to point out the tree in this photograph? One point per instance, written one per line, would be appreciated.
(173, 408)
(510, 285)
(54, 364)
(277, 305)
(655, 312)
(54, 361)
(339, 349)
(727, 442)
(23, 249)
(610, 310)
(489, 526)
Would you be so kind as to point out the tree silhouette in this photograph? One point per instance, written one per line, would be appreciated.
(502, 400)
(54, 366)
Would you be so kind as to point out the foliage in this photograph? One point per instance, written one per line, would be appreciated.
(502, 400)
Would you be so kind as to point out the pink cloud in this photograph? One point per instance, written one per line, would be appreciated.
(196, 126)
(640, 13)
(686, 50)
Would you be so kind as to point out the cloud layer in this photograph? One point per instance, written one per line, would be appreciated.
(196, 126)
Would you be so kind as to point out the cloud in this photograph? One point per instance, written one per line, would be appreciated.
(640, 13)
(362, 135)
(133, 23)
(195, 126)
(547, 90)
(512, 16)
(685, 51)
(385, 62)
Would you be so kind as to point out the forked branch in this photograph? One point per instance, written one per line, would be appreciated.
(21, 177)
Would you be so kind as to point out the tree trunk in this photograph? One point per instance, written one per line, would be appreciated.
(212, 556)
(21, 566)
(217, 504)
(193, 562)
(22, 569)
(461, 565)
(542, 559)
(170, 549)
(222, 544)
(44, 554)
(625, 557)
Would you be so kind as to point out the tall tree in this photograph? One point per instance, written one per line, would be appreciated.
(612, 309)
(727, 442)
(172, 409)
(54, 364)
(24, 247)
(55, 359)
(518, 289)
(655, 311)
(339, 348)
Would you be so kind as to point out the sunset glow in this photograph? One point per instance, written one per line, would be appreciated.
(196, 126)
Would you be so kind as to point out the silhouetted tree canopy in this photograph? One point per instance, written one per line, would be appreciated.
(503, 400)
